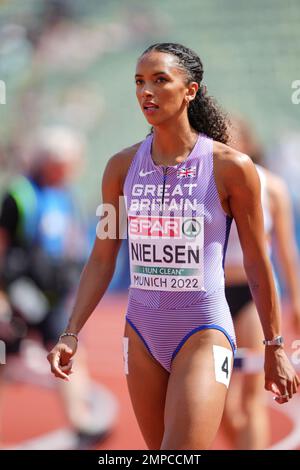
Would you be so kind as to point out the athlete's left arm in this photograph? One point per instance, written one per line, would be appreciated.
(242, 186)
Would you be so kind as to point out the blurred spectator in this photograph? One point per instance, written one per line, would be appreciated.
(245, 412)
(284, 159)
(43, 246)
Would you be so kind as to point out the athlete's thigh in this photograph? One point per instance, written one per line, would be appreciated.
(196, 392)
(147, 383)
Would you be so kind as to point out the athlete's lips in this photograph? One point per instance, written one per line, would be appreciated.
(150, 105)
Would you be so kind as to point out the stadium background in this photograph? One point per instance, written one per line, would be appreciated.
(72, 63)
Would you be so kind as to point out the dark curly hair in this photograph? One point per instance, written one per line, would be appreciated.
(204, 114)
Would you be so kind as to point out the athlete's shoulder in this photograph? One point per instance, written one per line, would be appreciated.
(230, 157)
(231, 163)
(119, 163)
(124, 157)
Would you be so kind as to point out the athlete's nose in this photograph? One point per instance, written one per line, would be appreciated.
(147, 93)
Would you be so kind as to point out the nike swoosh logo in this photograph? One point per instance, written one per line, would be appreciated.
(145, 173)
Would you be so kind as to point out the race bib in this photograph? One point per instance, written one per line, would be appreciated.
(223, 364)
(166, 252)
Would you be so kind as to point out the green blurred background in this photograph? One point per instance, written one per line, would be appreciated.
(72, 62)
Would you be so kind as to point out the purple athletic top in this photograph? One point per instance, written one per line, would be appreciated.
(177, 239)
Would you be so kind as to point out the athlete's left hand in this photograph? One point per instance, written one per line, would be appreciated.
(280, 376)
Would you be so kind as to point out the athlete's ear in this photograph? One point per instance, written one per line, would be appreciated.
(191, 92)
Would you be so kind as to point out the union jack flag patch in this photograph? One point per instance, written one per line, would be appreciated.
(186, 172)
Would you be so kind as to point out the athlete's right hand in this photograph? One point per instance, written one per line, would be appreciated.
(60, 357)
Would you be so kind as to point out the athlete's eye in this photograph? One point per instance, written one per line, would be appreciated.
(138, 81)
(161, 80)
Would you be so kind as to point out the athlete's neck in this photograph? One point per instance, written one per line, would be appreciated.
(172, 146)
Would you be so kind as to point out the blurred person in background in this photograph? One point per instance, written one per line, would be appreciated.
(43, 246)
(286, 148)
(246, 417)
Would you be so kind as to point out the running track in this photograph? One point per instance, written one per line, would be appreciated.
(33, 416)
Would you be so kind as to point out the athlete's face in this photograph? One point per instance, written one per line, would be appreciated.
(161, 87)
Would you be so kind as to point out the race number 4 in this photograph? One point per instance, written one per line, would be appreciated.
(225, 367)
(223, 364)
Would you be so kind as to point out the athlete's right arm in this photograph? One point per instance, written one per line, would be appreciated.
(98, 270)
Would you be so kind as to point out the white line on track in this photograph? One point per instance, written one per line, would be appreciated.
(105, 412)
(292, 410)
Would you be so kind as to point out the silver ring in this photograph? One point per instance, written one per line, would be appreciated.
(284, 396)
